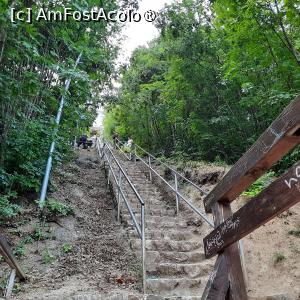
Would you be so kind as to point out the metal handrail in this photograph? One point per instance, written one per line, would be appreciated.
(173, 170)
(119, 148)
(179, 195)
(140, 228)
(174, 189)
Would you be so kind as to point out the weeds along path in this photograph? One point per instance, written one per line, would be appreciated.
(80, 255)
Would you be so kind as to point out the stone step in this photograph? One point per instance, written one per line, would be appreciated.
(157, 219)
(156, 257)
(154, 297)
(176, 286)
(192, 271)
(174, 235)
(149, 207)
(158, 212)
(163, 226)
(167, 245)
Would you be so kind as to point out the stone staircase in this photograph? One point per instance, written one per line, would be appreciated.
(175, 263)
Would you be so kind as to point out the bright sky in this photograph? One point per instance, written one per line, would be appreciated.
(137, 34)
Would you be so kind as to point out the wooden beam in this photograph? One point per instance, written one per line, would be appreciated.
(237, 285)
(278, 197)
(282, 136)
(228, 271)
(10, 259)
(218, 283)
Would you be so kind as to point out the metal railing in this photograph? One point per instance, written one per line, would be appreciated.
(179, 196)
(107, 155)
(175, 188)
(10, 259)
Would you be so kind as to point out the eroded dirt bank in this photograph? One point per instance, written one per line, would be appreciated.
(83, 253)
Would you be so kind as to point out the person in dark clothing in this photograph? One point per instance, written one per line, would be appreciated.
(115, 139)
(82, 141)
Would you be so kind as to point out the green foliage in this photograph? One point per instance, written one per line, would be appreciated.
(295, 232)
(109, 124)
(219, 73)
(66, 248)
(278, 257)
(7, 209)
(47, 257)
(19, 251)
(28, 239)
(260, 184)
(57, 209)
(36, 59)
(39, 234)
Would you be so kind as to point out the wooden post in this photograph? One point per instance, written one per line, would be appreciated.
(278, 197)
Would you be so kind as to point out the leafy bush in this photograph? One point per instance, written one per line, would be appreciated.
(260, 184)
(8, 209)
(57, 209)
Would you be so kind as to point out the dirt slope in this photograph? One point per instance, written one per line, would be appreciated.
(83, 254)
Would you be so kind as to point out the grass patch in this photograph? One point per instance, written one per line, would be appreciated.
(278, 257)
(47, 257)
(295, 232)
(66, 248)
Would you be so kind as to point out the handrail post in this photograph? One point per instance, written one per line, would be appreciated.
(177, 197)
(108, 160)
(150, 172)
(143, 246)
(119, 194)
(134, 153)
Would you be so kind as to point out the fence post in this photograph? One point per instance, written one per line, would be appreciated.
(135, 154)
(177, 197)
(119, 194)
(150, 172)
(143, 247)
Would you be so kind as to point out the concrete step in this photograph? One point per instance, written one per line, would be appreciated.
(176, 286)
(167, 245)
(192, 271)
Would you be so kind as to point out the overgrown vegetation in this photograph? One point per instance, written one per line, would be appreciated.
(217, 76)
(35, 61)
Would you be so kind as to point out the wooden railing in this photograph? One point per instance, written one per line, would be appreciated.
(227, 280)
(10, 259)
